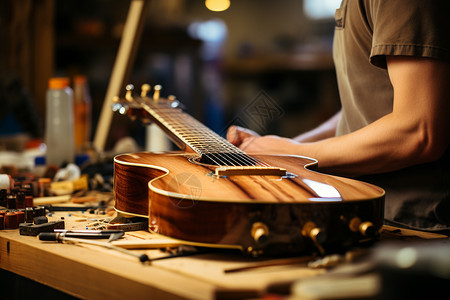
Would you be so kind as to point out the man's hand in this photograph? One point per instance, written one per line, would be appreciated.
(251, 142)
(237, 135)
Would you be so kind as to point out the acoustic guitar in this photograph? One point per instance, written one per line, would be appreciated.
(212, 193)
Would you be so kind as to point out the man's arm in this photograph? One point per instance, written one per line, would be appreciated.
(321, 132)
(236, 134)
(417, 130)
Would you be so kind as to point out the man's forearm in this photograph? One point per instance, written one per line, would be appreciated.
(382, 146)
(321, 132)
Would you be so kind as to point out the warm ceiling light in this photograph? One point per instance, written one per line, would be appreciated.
(217, 5)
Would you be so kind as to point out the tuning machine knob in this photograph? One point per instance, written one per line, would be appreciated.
(315, 234)
(119, 106)
(145, 88)
(157, 92)
(367, 228)
(259, 232)
(129, 92)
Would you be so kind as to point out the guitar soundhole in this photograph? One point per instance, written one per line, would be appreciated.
(227, 159)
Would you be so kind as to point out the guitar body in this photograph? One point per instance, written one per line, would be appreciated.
(303, 211)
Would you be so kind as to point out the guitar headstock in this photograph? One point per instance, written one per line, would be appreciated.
(140, 105)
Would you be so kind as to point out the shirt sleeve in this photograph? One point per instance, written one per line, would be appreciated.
(410, 28)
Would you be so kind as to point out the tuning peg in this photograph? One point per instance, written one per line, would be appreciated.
(365, 228)
(259, 232)
(157, 92)
(145, 88)
(315, 234)
(119, 106)
(173, 101)
(129, 93)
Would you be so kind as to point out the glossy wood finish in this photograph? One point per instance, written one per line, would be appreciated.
(265, 205)
(187, 201)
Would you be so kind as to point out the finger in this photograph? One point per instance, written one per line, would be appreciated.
(232, 135)
(236, 134)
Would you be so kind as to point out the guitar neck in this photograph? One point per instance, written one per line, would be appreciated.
(188, 131)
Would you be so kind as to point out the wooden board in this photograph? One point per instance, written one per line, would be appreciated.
(92, 274)
(97, 273)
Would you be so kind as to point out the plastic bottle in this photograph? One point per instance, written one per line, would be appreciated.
(82, 112)
(59, 123)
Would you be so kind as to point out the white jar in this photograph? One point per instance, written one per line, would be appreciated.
(59, 132)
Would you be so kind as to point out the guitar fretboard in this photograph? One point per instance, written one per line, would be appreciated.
(213, 148)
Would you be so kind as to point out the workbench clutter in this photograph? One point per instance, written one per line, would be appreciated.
(14, 199)
(49, 172)
(26, 197)
(62, 205)
(21, 203)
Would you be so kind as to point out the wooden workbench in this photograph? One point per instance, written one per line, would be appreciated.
(94, 272)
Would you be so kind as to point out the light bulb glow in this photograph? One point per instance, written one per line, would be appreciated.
(217, 5)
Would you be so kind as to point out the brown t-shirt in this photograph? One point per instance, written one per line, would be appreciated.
(366, 31)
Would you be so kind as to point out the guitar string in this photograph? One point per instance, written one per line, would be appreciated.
(231, 156)
(200, 146)
(162, 116)
(219, 152)
(168, 121)
(213, 149)
(219, 157)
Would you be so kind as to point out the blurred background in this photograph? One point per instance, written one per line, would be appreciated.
(263, 64)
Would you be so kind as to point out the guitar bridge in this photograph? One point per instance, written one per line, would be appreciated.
(249, 170)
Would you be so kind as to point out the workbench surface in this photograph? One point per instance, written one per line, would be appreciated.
(95, 272)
